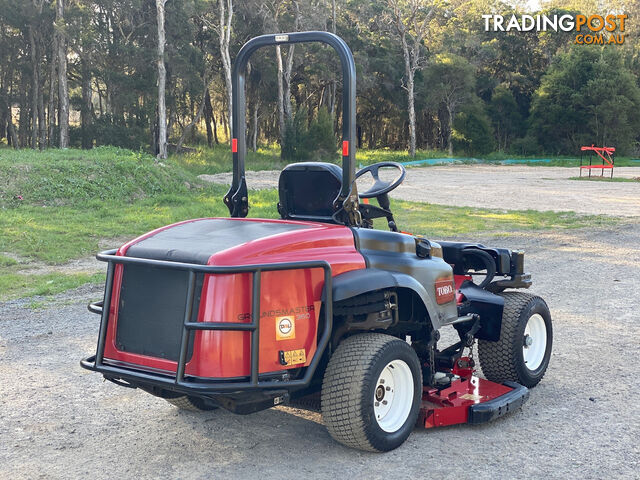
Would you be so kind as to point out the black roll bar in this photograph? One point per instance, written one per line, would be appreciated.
(236, 198)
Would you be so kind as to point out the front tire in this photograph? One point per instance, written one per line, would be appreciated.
(523, 352)
(371, 392)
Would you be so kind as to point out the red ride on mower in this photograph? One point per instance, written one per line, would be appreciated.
(245, 314)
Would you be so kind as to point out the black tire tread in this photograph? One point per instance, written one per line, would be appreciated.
(342, 389)
(496, 357)
(185, 403)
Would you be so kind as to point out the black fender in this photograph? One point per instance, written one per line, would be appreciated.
(486, 304)
(357, 282)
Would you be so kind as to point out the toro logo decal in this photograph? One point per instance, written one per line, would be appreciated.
(285, 328)
(444, 291)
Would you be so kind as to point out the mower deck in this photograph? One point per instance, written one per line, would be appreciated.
(469, 400)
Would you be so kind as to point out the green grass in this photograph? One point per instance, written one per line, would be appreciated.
(74, 177)
(218, 160)
(437, 221)
(14, 285)
(56, 235)
(606, 179)
(74, 203)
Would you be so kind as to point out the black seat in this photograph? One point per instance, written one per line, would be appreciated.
(307, 191)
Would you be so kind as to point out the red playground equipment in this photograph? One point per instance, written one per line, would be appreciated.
(605, 153)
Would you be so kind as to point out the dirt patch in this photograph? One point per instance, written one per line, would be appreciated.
(59, 421)
(82, 265)
(501, 187)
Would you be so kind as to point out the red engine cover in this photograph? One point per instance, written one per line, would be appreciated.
(290, 300)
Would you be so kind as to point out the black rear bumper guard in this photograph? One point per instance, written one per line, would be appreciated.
(211, 386)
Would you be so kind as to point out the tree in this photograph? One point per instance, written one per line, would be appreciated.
(162, 80)
(63, 89)
(505, 117)
(409, 19)
(273, 11)
(225, 9)
(587, 97)
(472, 131)
(451, 82)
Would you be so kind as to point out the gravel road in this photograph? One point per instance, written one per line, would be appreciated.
(582, 421)
(502, 187)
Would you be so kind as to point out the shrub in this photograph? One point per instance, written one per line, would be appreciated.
(294, 139)
(315, 142)
(472, 130)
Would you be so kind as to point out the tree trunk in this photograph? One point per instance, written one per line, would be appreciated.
(281, 123)
(162, 78)
(225, 38)
(208, 116)
(254, 129)
(449, 145)
(288, 108)
(99, 90)
(412, 116)
(195, 119)
(215, 129)
(23, 119)
(51, 110)
(334, 83)
(35, 86)
(12, 138)
(225, 124)
(42, 119)
(63, 91)
(86, 107)
(409, 73)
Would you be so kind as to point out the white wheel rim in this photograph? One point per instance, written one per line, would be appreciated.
(393, 396)
(534, 343)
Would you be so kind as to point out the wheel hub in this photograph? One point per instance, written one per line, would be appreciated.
(380, 393)
(393, 396)
(534, 342)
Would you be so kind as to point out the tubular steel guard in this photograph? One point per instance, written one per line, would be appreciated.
(236, 198)
(96, 362)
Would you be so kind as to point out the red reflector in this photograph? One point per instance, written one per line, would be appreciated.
(345, 148)
(234, 145)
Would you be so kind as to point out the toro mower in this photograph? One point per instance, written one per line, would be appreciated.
(246, 314)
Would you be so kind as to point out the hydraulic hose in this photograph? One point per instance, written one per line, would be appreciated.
(486, 260)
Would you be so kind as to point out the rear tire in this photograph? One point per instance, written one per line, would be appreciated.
(193, 404)
(371, 392)
(523, 352)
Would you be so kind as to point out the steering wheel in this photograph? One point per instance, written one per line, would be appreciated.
(380, 187)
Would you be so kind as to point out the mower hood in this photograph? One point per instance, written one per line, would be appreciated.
(235, 241)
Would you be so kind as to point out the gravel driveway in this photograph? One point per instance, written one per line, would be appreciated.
(502, 187)
(582, 421)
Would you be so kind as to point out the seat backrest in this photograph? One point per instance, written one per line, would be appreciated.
(307, 191)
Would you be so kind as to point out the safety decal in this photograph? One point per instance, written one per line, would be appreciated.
(285, 327)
